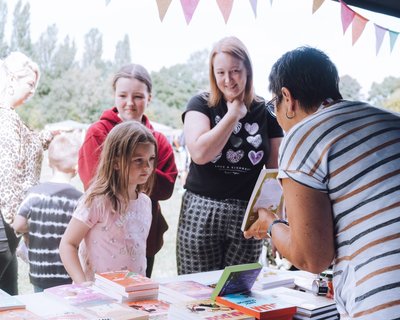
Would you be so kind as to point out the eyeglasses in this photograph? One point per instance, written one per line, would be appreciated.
(271, 105)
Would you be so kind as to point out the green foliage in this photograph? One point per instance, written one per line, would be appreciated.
(21, 36)
(93, 48)
(123, 52)
(384, 94)
(349, 88)
(3, 21)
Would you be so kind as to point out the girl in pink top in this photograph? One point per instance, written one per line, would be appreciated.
(109, 228)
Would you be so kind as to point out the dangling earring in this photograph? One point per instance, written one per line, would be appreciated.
(10, 90)
(291, 117)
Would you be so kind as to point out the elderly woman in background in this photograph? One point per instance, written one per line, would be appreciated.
(21, 151)
(339, 164)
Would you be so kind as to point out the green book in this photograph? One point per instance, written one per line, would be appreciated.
(237, 279)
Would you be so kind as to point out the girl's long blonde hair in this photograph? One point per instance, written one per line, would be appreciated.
(117, 152)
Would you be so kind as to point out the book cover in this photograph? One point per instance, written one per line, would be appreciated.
(258, 306)
(237, 278)
(125, 280)
(186, 290)
(18, 314)
(205, 309)
(267, 193)
(152, 307)
(9, 302)
(115, 311)
(78, 295)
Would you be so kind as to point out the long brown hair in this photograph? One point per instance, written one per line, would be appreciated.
(117, 152)
(236, 48)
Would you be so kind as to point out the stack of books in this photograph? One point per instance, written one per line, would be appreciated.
(87, 302)
(156, 309)
(126, 286)
(9, 302)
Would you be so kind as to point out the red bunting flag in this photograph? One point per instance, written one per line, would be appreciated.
(254, 7)
(347, 15)
(226, 8)
(316, 5)
(189, 7)
(393, 37)
(163, 6)
(359, 23)
(380, 34)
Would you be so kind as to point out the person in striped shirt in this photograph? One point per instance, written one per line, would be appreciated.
(339, 166)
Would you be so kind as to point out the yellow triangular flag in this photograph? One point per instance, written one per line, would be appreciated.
(163, 6)
(226, 7)
(316, 5)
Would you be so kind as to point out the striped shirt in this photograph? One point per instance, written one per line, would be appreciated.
(351, 151)
(48, 207)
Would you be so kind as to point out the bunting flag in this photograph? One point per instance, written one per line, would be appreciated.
(163, 6)
(226, 8)
(254, 7)
(347, 15)
(393, 37)
(380, 34)
(359, 23)
(189, 7)
(316, 5)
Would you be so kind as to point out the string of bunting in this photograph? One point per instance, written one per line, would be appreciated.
(348, 16)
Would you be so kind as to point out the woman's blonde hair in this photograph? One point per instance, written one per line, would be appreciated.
(117, 152)
(16, 65)
(236, 48)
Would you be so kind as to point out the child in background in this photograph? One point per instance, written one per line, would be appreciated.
(45, 213)
(112, 221)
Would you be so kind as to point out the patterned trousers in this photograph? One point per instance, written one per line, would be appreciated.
(209, 236)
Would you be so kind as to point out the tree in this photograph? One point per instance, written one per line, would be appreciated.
(380, 93)
(21, 34)
(122, 53)
(3, 21)
(93, 48)
(349, 88)
(45, 49)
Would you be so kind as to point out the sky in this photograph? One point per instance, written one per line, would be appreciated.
(277, 28)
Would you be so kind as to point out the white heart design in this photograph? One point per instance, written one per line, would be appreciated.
(254, 141)
(237, 128)
(234, 156)
(251, 128)
(217, 119)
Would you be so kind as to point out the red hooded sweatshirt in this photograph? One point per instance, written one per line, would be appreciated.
(166, 171)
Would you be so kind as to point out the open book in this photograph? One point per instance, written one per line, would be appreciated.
(267, 193)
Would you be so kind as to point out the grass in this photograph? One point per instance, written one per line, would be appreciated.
(165, 262)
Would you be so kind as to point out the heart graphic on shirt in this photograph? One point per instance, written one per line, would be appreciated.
(251, 128)
(217, 158)
(234, 156)
(237, 128)
(254, 141)
(235, 141)
(217, 119)
(255, 157)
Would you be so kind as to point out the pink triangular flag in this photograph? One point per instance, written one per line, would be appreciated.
(226, 7)
(393, 37)
(316, 5)
(254, 6)
(359, 23)
(163, 6)
(380, 34)
(347, 16)
(189, 7)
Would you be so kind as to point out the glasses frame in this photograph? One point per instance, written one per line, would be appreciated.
(271, 105)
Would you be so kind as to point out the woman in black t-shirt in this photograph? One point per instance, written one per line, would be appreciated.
(230, 136)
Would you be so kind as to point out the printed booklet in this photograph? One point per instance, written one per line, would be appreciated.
(267, 193)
